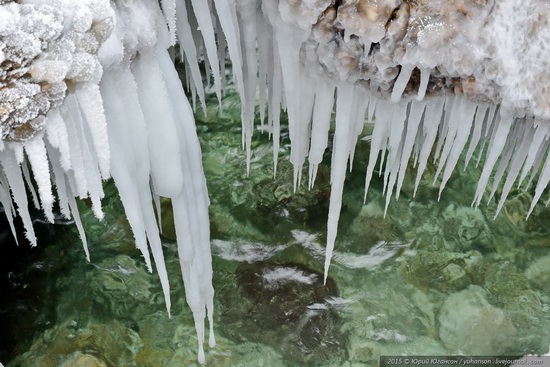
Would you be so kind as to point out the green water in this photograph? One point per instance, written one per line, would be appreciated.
(430, 278)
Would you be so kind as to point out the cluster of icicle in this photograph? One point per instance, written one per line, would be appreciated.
(130, 121)
(284, 50)
(359, 57)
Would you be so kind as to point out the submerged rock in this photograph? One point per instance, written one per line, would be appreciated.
(119, 287)
(95, 345)
(284, 306)
(469, 324)
(538, 273)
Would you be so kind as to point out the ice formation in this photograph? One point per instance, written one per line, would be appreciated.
(88, 91)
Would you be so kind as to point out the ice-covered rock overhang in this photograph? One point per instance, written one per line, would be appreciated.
(88, 91)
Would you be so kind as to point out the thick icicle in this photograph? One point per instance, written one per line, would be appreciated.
(379, 139)
(187, 43)
(495, 150)
(413, 122)
(432, 118)
(91, 105)
(401, 82)
(162, 136)
(56, 133)
(395, 145)
(36, 152)
(517, 133)
(30, 185)
(196, 263)
(15, 180)
(460, 124)
(543, 130)
(322, 110)
(515, 166)
(344, 105)
(169, 10)
(7, 204)
(247, 17)
(480, 121)
(424, 79)
(202, 12)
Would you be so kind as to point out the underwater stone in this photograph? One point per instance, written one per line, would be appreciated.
(440, 269)
(79, 359)
(110, 344)
(469, 324)
(538, 273)
(120, 287)
(284, 305)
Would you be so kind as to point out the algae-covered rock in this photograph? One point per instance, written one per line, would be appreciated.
(511, 289)
(466, 228)
(79, 359)
(119, 287)
(95, 345)
(442, 270)
(538, 273)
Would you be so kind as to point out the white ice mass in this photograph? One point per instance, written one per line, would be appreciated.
(89, 91)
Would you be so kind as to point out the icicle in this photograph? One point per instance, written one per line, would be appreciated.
(202, 12)
(460, 123)
(36, 152)
(60, 181)
(544, 179)
(123, 156)
(515, 166)
(78, 222)
(401, 83)
(91, 105)
(538, 162)
(518, 132)
(227, 16)
(322, 110)
(169, 10)
(424, 79)
(197, 274)
(265, 65)
(395, 145)
(480, 120)
(162, 137)
(413, 122)
(187, 43)
(543, 130)
(13, 174)
(361, 104)
(432, 119)
(56, 132)
(156, 200)
(444, 127)
(90, 184)
(28, 181)
(7, 204)
(275, 101)
(247, 20)
(344, 105)
(300, 129)
(379, 138)
(495, 150)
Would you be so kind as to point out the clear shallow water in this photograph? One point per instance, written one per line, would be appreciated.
(431, 278)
